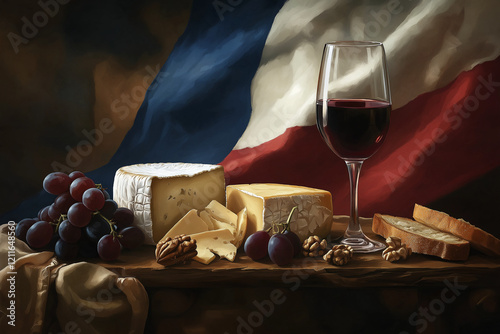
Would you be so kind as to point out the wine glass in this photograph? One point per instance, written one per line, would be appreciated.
(353, 108)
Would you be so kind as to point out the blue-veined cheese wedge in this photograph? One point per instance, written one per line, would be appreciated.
(160, 194)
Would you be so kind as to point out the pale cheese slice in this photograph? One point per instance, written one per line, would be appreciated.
(189, 224)
(204, 255)
(216, 241)
(241, 228)
(207, 219)
(221, 216)
(218, 225)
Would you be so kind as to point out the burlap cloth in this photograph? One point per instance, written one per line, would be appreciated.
(80, 297)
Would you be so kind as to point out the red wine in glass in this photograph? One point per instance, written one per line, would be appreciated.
(353, 107)
(353, 129)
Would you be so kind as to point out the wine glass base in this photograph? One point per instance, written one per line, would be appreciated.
(361, 244)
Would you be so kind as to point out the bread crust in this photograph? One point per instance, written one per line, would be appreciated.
(420, 244)
(479, 239)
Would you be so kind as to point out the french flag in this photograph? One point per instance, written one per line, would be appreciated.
(239, 90)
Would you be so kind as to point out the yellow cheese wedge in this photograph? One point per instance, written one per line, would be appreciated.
(189, 224)
(268, 203)
(216, 241)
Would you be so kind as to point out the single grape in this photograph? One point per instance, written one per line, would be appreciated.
(68, 232)
(39, 234)
(280, 250)
(93, 199)
(56, 183)
(54, 212)
(43, 214)
(97, 228)
(40, 212)
(123, 217)
(256, 245)
(131, 237)
(106, 194)
(64, 201)
(108, 248)
(79, 215)
(294, 239)
(109, 208)
(75, 175)
(23, 226)
(79, 186)
(66, 251)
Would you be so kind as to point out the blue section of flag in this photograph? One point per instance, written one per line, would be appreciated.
(199, 104)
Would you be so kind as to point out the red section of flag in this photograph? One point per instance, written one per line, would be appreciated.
(436, 143)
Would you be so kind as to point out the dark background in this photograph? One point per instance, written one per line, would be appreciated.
(83, 63)
(85, 57)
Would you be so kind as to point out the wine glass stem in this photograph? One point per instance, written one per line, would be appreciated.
(354, 229)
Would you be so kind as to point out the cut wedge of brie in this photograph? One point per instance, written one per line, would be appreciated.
(160, 194)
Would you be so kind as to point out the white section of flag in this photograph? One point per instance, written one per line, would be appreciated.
(428, 44)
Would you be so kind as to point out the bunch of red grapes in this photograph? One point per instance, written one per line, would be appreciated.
(281, 247)
(83, 221)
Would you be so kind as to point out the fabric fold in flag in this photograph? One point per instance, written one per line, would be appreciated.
(435, 144)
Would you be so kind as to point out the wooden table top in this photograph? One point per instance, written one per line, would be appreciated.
(364, 270)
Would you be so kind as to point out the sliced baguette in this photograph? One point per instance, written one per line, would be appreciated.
(478, 238)
(421, 238)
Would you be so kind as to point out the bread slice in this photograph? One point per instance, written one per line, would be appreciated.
(478, 238)
(421, 238)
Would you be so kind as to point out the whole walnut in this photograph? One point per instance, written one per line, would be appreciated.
(395, 250)
(174, 250)
(314, 246)
(339, 255)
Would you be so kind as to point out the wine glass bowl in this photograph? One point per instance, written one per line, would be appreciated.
(353, 129)
(353, 107)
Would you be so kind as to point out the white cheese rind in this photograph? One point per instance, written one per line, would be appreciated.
(162, 193)
(133, 191)
(169, 169)
(310, 218)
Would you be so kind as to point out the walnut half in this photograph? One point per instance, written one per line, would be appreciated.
(395, 250)
(174, 250)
